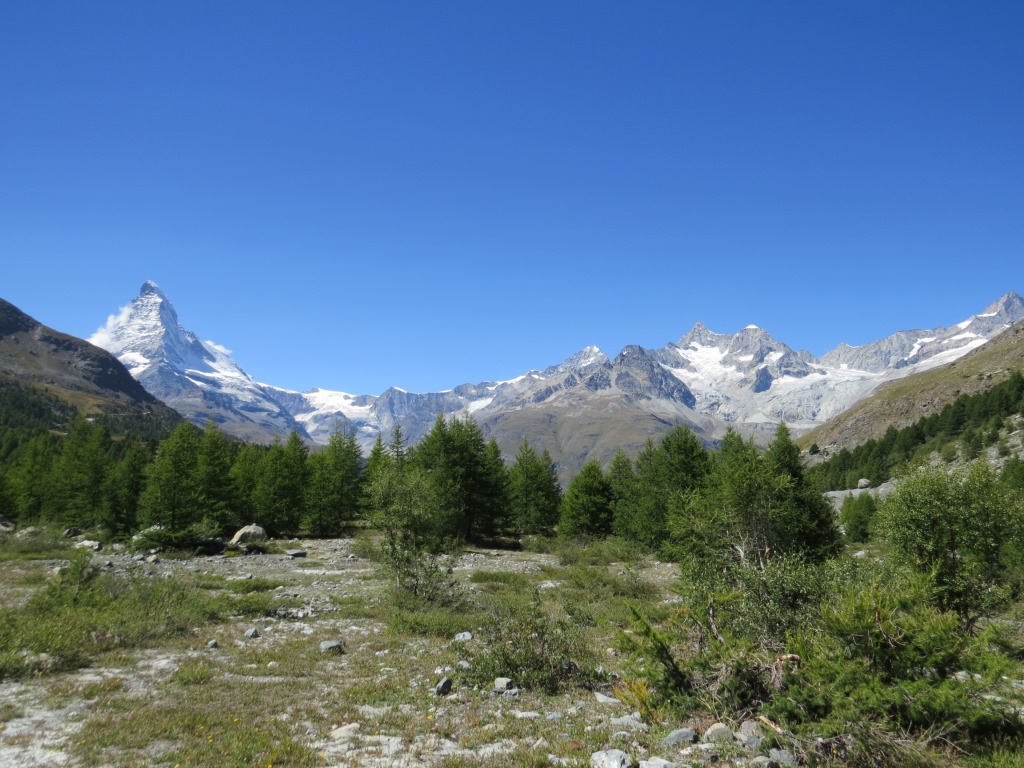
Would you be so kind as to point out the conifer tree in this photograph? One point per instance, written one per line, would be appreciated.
(534, 493)
(334, 490)
(587, 504)
(171, 494)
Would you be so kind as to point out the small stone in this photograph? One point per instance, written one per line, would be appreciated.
(332, 646)
(602, 699)
(555, 716)
(295, 553)
(520, 715)
(463, 637)
(463, 664)
(633, 722)
(511, 693)
(657, 762)
(444, 686)
(153, 559)
(69, 533)
(213, 644)
(345, 732)
(781, 756)
(610, 758)
(679, 736)
(718, 732)
(95, 546)
(252, 633)
(760, 762)
(502, 684)
(273, 665)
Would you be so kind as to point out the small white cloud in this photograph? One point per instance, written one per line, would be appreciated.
(218, 347)
(104, 337)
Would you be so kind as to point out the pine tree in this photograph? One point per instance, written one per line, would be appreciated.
(213, 478)
(171, 495)
(334, 490)
(76, 481)
(587, 504)
(534, 493)
(278, 496)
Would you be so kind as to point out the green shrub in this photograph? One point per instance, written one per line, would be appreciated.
(536, 651)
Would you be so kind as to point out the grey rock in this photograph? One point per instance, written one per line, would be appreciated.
(152, 559)
(781, 756)
(295, 553)
(657, 762)
(443, 687)
(463, 664)
(511, 693)
(631, 721)
(603, 699)
(760, 762)
(462, 637)
(502, 684)
(345, 732)
(555, 716)
(213, 644)
(610, 758)
(718, 732)
(528, 715)
(95, 546)
(248, 534)
(69, 533)
(332, 646)
(863, 483)
(679, 736)
(252, 633)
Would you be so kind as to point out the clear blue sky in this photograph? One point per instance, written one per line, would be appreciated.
(355, 195)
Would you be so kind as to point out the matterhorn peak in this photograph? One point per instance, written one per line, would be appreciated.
(149, 288)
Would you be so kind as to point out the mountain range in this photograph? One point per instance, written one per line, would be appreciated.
(585, 407)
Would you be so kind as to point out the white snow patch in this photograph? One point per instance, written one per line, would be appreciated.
(961, 336)
(477, 405)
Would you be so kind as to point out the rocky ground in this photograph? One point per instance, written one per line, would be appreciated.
(326, 675)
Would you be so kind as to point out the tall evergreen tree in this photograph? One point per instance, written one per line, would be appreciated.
(76, 481)
(334, 490)
(171, 495)
(278, 496)
(213, 478)
(535, 495)
(587, 504)
(123, 487)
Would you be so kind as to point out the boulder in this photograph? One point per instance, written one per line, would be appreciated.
(249, 533)
(610, 758)
(6, 526)
(718, 732)
(332, 646)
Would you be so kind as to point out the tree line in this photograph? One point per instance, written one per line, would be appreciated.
(970, 423)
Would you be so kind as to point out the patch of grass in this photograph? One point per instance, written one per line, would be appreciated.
(246, 586)
(38, 544)
(224, 727)
(192, 672)
(354, 607)
(436, 622)
(494, 581)
(598, 552)
(10, 711)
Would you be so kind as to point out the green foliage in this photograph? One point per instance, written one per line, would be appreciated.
(963, 531)
(959, 424)
(587, 504)
(171, 496)
(468, 477)
(82, 612)
(534, 493)
(859, 653)
(538, 652)
(856, 516)
(674, 468)
(755, 506)
(334, 491)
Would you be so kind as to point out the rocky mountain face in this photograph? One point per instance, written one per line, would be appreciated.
(81, 374)
(196, 378)
(584, 407)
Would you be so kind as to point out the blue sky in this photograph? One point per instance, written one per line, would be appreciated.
(355, 195)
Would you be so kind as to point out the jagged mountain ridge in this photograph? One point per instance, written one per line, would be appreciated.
(584, 407)
(199, 379)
